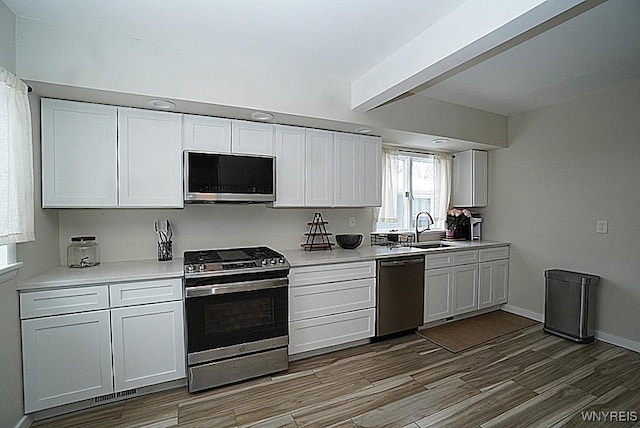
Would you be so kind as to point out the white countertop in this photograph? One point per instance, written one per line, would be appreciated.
(104, 273)
(299, 257)
(113, 272)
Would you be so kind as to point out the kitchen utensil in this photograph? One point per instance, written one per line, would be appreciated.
(165, 235)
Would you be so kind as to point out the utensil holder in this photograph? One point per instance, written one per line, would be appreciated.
(165, 250)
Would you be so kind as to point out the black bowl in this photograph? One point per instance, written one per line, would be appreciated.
(349, 241)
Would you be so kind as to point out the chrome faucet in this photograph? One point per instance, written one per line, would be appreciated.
(429, 223)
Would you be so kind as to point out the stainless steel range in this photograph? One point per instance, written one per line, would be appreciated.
(236, 310)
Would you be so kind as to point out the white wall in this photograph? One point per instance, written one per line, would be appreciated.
(66, 56)
(11, 409)
(566, 167)
(128, 234)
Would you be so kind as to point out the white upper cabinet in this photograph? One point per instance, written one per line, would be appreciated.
(79, 159)
(290, 166)
(348, 169)
(150, 158)
(252, 138)
(358, 179)
(469, 179)
(319, 165)
(205, 133)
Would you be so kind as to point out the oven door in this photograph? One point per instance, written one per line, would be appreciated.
(226, 320)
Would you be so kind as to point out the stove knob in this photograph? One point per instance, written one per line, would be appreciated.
(190, 268)
(281, 261)
(201, 267)
(274, 261)
(264, 262)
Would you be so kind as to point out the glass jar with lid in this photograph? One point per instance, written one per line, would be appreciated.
(83, 252)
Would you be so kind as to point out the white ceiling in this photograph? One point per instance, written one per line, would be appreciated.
(343, 39)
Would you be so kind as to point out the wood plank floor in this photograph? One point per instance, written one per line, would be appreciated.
(527, 378)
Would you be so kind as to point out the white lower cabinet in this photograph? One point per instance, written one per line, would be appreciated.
(330, 330)
(438, 288)
(148, 344)
(462, 281)
(494, 283)
(465, 288)
(100, 349)
(66, 358)
(331, 305)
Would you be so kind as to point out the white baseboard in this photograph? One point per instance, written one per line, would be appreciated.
(523, 312)
(600, 335)
(618, 341)
(25, 421)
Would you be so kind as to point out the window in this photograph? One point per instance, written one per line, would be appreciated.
(413, 182)
(7, 254)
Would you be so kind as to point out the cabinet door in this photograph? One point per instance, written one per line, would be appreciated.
(480, 182)
(493, 283)
(465, 288)
(66, 358)
(252, 138)
(312, 301)
(210, 134)
(290, 166)
(469, 187)
(319, 164)
(349, 170)
(79, 160)
(150, 158)
(372, 172)
(316, 333)
(148, 344)
(438, 289)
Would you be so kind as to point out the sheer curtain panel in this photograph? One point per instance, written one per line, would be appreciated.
(443, 166)
(16, 162)
(388, 212)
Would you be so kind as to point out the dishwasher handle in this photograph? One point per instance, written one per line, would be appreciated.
(401, 262)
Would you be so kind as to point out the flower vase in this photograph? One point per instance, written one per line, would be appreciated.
(449, 234)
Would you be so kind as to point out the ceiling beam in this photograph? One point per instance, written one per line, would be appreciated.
(474, 31)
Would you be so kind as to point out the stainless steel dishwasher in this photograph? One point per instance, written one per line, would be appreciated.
(400, 294)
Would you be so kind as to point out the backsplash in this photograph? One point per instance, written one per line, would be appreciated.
(128, 234)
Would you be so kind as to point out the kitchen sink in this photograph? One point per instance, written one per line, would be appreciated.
(435, 244)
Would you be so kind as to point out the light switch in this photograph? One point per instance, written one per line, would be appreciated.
(352, 222)
(602, 226)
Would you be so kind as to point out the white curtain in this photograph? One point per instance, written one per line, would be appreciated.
(16, 162)
(443, 165)
(388, 212)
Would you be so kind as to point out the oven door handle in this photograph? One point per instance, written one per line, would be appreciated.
(236, 287)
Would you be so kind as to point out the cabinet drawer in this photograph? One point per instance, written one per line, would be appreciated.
(433, 261)
(63, 301)
(322, 332)
(326, 299)
(465, 257)
(331, 273)
(141, 292)
(490, 254)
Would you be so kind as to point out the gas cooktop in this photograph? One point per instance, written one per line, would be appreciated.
(228, 260)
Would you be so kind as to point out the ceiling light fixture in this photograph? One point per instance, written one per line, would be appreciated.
(260, 115)
(363, 130)
(162, 104)
(440, 141)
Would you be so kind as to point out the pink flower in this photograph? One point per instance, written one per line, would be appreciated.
(466, 213)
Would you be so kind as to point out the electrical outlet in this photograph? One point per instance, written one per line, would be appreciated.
(352, 222)
(602, 226)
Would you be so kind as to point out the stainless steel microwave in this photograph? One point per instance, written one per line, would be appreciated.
(222, 177)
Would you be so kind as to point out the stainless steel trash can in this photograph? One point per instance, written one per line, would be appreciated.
(569, 307)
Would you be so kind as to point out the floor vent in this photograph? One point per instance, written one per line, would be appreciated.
(115, 396)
